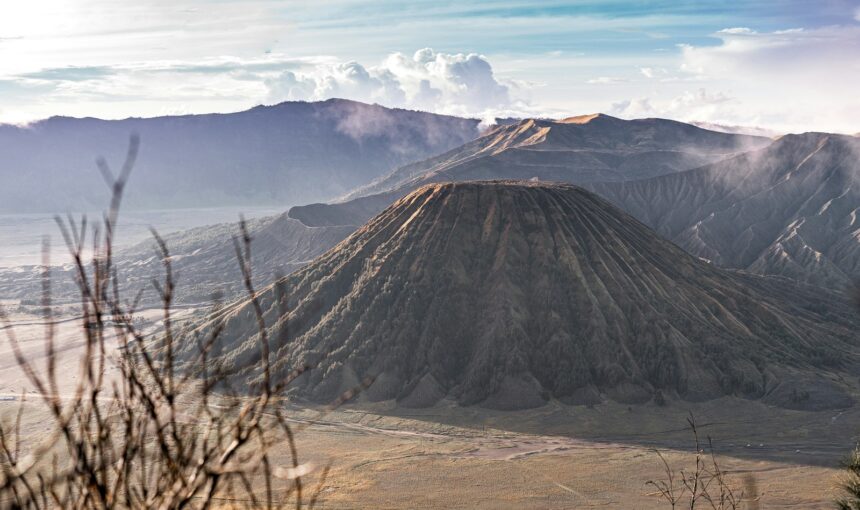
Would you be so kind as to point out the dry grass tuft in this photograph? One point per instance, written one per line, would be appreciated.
(707, 485)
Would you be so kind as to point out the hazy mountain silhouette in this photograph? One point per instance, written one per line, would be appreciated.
(505, 294)
(290, 153)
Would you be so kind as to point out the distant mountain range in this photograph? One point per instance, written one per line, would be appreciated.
(286, 154)
(575, 149)
(507, 294)
(786, 207)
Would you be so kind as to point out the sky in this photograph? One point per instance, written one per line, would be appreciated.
(783, 65)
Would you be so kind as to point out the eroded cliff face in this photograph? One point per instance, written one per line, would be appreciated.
(506, 294)
(790, 209)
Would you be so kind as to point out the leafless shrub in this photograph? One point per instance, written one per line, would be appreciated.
(158, 435)
(707, 485)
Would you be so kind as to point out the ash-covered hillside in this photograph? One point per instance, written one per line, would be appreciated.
(790, 209)
(506, 294)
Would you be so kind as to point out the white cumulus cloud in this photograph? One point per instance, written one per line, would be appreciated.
(797, 79)
(462, 84)
(459, 83)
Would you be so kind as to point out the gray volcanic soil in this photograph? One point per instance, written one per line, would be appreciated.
(507, 294)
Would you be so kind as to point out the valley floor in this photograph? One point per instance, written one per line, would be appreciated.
(381, 461)
(553, 457)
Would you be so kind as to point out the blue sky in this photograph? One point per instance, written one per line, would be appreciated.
(778, 64)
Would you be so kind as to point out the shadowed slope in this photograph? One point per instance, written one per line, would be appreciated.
(506, 294)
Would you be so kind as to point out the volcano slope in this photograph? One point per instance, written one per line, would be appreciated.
(790, 209)
(506, 294)
(588, 148)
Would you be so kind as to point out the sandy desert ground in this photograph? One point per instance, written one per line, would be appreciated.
(491, 460)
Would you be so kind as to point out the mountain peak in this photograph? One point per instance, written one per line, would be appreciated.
(289, 152)
(602, 149)
(585, 119)
(507, 293)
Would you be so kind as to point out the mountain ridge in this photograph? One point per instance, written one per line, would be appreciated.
(790, 208)
(602, 148)
(687, 146)
(282, 154)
